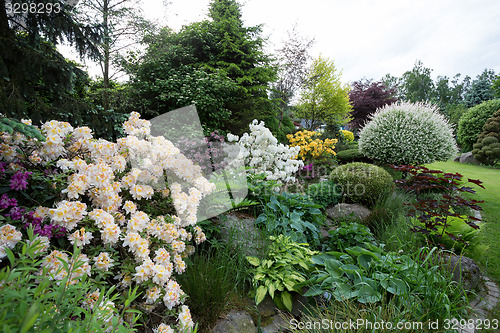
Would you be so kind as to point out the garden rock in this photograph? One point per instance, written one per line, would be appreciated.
(350, 211)
(239, 230)
(457, 159)
(468, 158)
(464, 270)
(267, 308)
(236, 322)
(278, 324)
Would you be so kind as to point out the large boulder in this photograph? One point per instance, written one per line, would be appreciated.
(236, 322)
(349, 211)
(468, 158)
(464, 270)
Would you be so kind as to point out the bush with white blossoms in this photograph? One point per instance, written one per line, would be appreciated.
(261, 152)
(109, 184)
(408, 133)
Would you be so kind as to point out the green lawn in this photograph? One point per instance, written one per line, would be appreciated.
(486, 248)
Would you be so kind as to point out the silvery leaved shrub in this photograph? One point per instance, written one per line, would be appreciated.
(408, 133)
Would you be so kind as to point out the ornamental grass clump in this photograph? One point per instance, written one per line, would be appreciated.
(408, 133)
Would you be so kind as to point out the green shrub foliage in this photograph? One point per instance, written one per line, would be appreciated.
(351, 155)
(472, 122)
(408, 133)
(362, 183)
(324, 193)
(487, 147)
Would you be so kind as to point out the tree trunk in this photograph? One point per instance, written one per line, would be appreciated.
(106, 46)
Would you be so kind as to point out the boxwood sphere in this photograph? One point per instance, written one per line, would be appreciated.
(408, 133)
(362, 183)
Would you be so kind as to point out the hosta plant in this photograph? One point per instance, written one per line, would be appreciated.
(408, 133)
(280, 272)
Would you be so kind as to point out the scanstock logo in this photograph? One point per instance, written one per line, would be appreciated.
(220, 162)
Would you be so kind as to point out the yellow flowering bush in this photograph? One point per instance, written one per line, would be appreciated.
(101, 211)
(348, 135)
(311, 147)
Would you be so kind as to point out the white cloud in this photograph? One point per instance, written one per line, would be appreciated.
(368, 38)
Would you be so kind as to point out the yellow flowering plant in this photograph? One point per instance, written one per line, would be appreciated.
(348, 135)
(101, 211)
(311, 146)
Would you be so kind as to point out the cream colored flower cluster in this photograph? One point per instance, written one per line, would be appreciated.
(53, 265)
(262, 153)
(9, 237)
(104, 180)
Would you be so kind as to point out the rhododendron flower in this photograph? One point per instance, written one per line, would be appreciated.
(163, 328)
(80, 237)
(185, 318)
(172, 295)
(9, 237)
(103, 261)
(152, 294)
(19, 180)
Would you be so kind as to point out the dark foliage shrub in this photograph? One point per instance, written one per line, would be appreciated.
(435, 213)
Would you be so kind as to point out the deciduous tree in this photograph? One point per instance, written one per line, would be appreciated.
(324, 99)
(367, 96)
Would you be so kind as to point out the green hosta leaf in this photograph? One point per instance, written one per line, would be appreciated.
(287, 300)
(333, 267)
(253, 261)
(366, 294)
(303, 265)
(350, 269)
(343, 291)
(314, 291)
(394, 286)
(260, 293)
(271, 288)
(364, 261)
(259, 276)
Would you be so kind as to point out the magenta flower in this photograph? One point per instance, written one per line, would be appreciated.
(19, 180)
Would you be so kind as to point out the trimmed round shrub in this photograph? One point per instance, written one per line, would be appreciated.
(408, 133)
(471, 123)
(350, 155)
(362, 183)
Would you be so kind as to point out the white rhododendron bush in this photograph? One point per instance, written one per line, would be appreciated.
(101, 212)
(261, 152)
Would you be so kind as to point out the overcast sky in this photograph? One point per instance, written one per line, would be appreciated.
(370, 38)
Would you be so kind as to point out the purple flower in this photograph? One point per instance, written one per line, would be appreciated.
(19, 180)
(16, 213)
(6, 202)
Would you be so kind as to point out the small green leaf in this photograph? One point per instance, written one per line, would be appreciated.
(253, 261)
(314, 291)
(260, 293)
(287, 300)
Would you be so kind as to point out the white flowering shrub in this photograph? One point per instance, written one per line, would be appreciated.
(262, 154)
(408, 133)
(101, 211)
